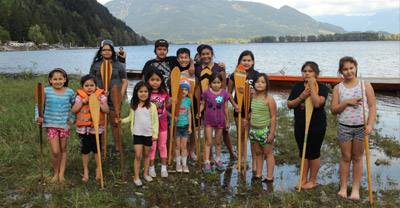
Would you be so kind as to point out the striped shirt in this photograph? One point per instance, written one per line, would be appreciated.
(57, 108)
(260, 115)
(89, 129)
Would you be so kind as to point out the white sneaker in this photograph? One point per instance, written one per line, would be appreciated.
(164, 174)
(179, 168)
(153, 174)
(138, 182)
(186, 169)
(148, 179)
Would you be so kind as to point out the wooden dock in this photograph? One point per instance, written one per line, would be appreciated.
(383, 84)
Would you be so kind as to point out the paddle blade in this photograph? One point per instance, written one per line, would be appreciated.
(40, 98)
(94, 105)
(192, 80)
(175, 80)
(106, 71)
(309, 107)
(205, 79)
(116, 98)
(240, 80)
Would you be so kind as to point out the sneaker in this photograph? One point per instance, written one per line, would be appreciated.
(179, 168)
(148, 179)
(207, 168)
(164, 174)
(186, 169)
(219, 165)
(268, 181)
(138, 182)
(152, 174)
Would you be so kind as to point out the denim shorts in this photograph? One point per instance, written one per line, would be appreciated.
(347, 133)
(182, 131)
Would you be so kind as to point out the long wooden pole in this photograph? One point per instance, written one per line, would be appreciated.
(371, 200)
(240, 80)
(116, 99)
(106, 71)
(198, 94)
(246, 115)
(175, 78)
(40, 105)
(94, 105)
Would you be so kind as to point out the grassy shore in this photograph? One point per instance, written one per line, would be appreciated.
(20, 168)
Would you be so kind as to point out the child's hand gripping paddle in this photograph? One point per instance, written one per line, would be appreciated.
(240, 80)
(94, 105)
(192, 80)
(175, 79)
(205, 85)
(309, 110)
(247, 95)
(371, 200)
(106, 71)
(116, 100)
(40, 105)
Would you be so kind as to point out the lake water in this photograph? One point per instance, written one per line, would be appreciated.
(375, 59)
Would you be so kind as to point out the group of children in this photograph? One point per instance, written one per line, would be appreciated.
(149, 116)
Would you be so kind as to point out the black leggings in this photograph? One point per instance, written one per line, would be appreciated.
(315, 138)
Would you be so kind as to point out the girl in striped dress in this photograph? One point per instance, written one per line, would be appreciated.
(262, 127)
(56, 119)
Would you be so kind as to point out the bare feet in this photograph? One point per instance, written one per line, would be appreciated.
(302, 184)
(193, 156)
(61, 179)
(233, 156)
(355, 195)
(97, 174)
(85, 176)
(310, 185)
(54, 179)
(343, 193)
(84, 179)
(234, 166)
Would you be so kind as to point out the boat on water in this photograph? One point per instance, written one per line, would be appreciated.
(383, 84)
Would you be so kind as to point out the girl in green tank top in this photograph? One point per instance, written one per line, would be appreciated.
(262, 127)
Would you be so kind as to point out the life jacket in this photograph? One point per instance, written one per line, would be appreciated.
(83, 117)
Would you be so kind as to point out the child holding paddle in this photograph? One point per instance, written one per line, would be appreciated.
(84, 123)
(159, 96)
(56, 119)
(347, 102)
(246, 59)
(216, 116)
(262, 127)
(143, 120)
(318, 92)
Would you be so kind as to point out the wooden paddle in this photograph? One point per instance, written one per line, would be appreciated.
(309, 110)
(177, 109)
(205, 84)
(240, 80)
(116, 100)
(198, 95)
(94, 105)
(247, 95)
(106, 71)
(192, 80)
(40, 97)
(175, 79)
(371, 200)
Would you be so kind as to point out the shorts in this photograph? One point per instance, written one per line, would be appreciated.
(315, 138)
(88, 143)
(347, 133)
(260, 135)
(218, 127)
(182, 131)
(143, 140)
(55, 133)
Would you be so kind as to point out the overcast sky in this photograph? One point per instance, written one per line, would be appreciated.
(325, 7)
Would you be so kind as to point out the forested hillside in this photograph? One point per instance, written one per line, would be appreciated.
(79, 22)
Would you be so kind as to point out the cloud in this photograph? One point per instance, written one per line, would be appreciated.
(331, 7)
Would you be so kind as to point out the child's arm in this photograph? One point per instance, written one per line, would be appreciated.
(189, 114)
(297, 101)
(372, 107)
(273, 112)
(103, 105)
(78, 104)
(316, 99)
(129, 118)
(202, 103)
(226, 116)
(336, 107)
(231, 85)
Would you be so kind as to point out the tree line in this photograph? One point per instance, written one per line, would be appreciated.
(76, 22)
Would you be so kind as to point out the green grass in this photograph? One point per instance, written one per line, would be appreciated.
(20, 168)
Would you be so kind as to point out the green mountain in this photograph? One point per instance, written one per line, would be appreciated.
(80, 22)
(192, 20)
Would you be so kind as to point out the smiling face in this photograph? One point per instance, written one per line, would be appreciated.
(261, 84)
(247, 62)
(161, 52)
(143, 94)
(216, 84)
(155, 82)
(89, 87)
(106, 52)
(183, 59)
(308, 72)
(57, 80)
(349, 70)
(206, 55)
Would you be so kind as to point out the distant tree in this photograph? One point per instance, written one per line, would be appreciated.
(35, 34)
(4, 35)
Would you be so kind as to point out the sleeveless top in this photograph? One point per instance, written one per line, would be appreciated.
(120, 59)
(260, 115)
(352, 115)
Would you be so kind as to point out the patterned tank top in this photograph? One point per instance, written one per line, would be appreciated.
(352, 115)
(260, 115)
